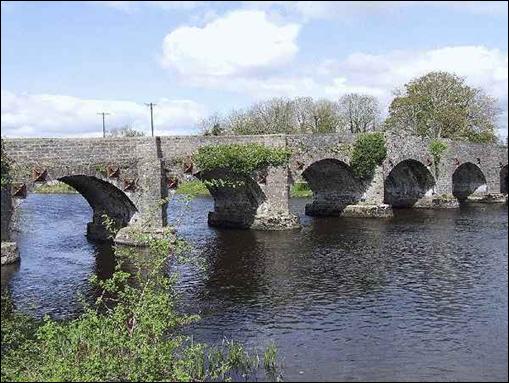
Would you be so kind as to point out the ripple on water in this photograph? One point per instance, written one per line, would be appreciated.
(422, 296)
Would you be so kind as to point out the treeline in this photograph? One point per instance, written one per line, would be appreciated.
(353, 112)
(436, 105)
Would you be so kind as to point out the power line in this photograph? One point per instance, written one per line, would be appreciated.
(151, 116)
(104, 126)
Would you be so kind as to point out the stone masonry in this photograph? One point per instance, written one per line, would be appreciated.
(127, 178)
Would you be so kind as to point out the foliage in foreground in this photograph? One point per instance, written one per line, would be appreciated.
(240, 158)
(368, 152)
(131, 333)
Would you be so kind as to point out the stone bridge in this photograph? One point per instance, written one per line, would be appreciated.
(127, 178)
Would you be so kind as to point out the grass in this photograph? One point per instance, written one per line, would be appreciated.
(192, 188)
(55, 188)
(300, 190)
(198, 188)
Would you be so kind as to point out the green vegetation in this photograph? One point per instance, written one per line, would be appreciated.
(440, 105)
(55, 188)
(130, 333)
(352, 112)
(368, 152)
(437, 149)
(5, 167)
(300, 190)
(192, 188)
(242, 159)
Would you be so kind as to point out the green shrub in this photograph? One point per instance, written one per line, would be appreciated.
(131, 332)
(368, 152)
(240, 158)
(437, 148)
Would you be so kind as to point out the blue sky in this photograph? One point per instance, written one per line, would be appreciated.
(62, 62)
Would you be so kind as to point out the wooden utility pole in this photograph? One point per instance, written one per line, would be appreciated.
(151, 105)
(104, 126)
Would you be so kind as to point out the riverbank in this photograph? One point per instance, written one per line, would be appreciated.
(198, 188)
(56, 187)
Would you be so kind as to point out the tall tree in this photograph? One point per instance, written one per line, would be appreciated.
(442, 105)
(359, 113)
(126, 131)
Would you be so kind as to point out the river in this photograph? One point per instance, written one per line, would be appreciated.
(421, 296)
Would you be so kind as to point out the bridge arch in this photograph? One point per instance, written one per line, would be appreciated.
(408, 182)
(104, 198)
(334, 186)
(504, 181)
(237, 198)
(468, 179)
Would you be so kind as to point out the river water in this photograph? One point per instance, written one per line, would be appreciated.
(421, 296)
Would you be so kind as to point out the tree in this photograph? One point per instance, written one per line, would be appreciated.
(212, 125)
(440, 105)
(126, 131)
(359, 113)
(325, 117)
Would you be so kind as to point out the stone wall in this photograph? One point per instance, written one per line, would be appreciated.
(6, 213)
(407, 176)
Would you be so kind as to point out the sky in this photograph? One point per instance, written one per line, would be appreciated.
(64, 62)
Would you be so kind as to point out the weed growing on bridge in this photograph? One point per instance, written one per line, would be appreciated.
(240, 158)
(437, 149)
(368, 152)
(237, 162)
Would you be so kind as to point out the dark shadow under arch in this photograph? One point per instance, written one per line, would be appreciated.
(104, 198)
(334, 187)
(504, 181)
(236, 198)
(407, 183)
(467, 179)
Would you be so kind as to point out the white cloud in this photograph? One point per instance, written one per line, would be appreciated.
(131, 6)
(344, 10)
(45, 115)
(239, 44)
(380, 74)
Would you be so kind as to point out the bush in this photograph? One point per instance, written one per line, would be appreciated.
(242, 159)
(131, 333)
(368, 152)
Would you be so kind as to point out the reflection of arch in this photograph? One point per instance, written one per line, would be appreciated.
(104, 198)
(504, 182)
(334, 187)
(408, 182)
(466, 180)
(236, 198)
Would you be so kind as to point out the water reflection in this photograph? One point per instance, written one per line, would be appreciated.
(422, 296)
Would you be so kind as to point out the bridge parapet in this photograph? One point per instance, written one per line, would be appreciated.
(136, 170)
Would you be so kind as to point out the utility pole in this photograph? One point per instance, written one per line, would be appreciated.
(151, 116)
(104, 126)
